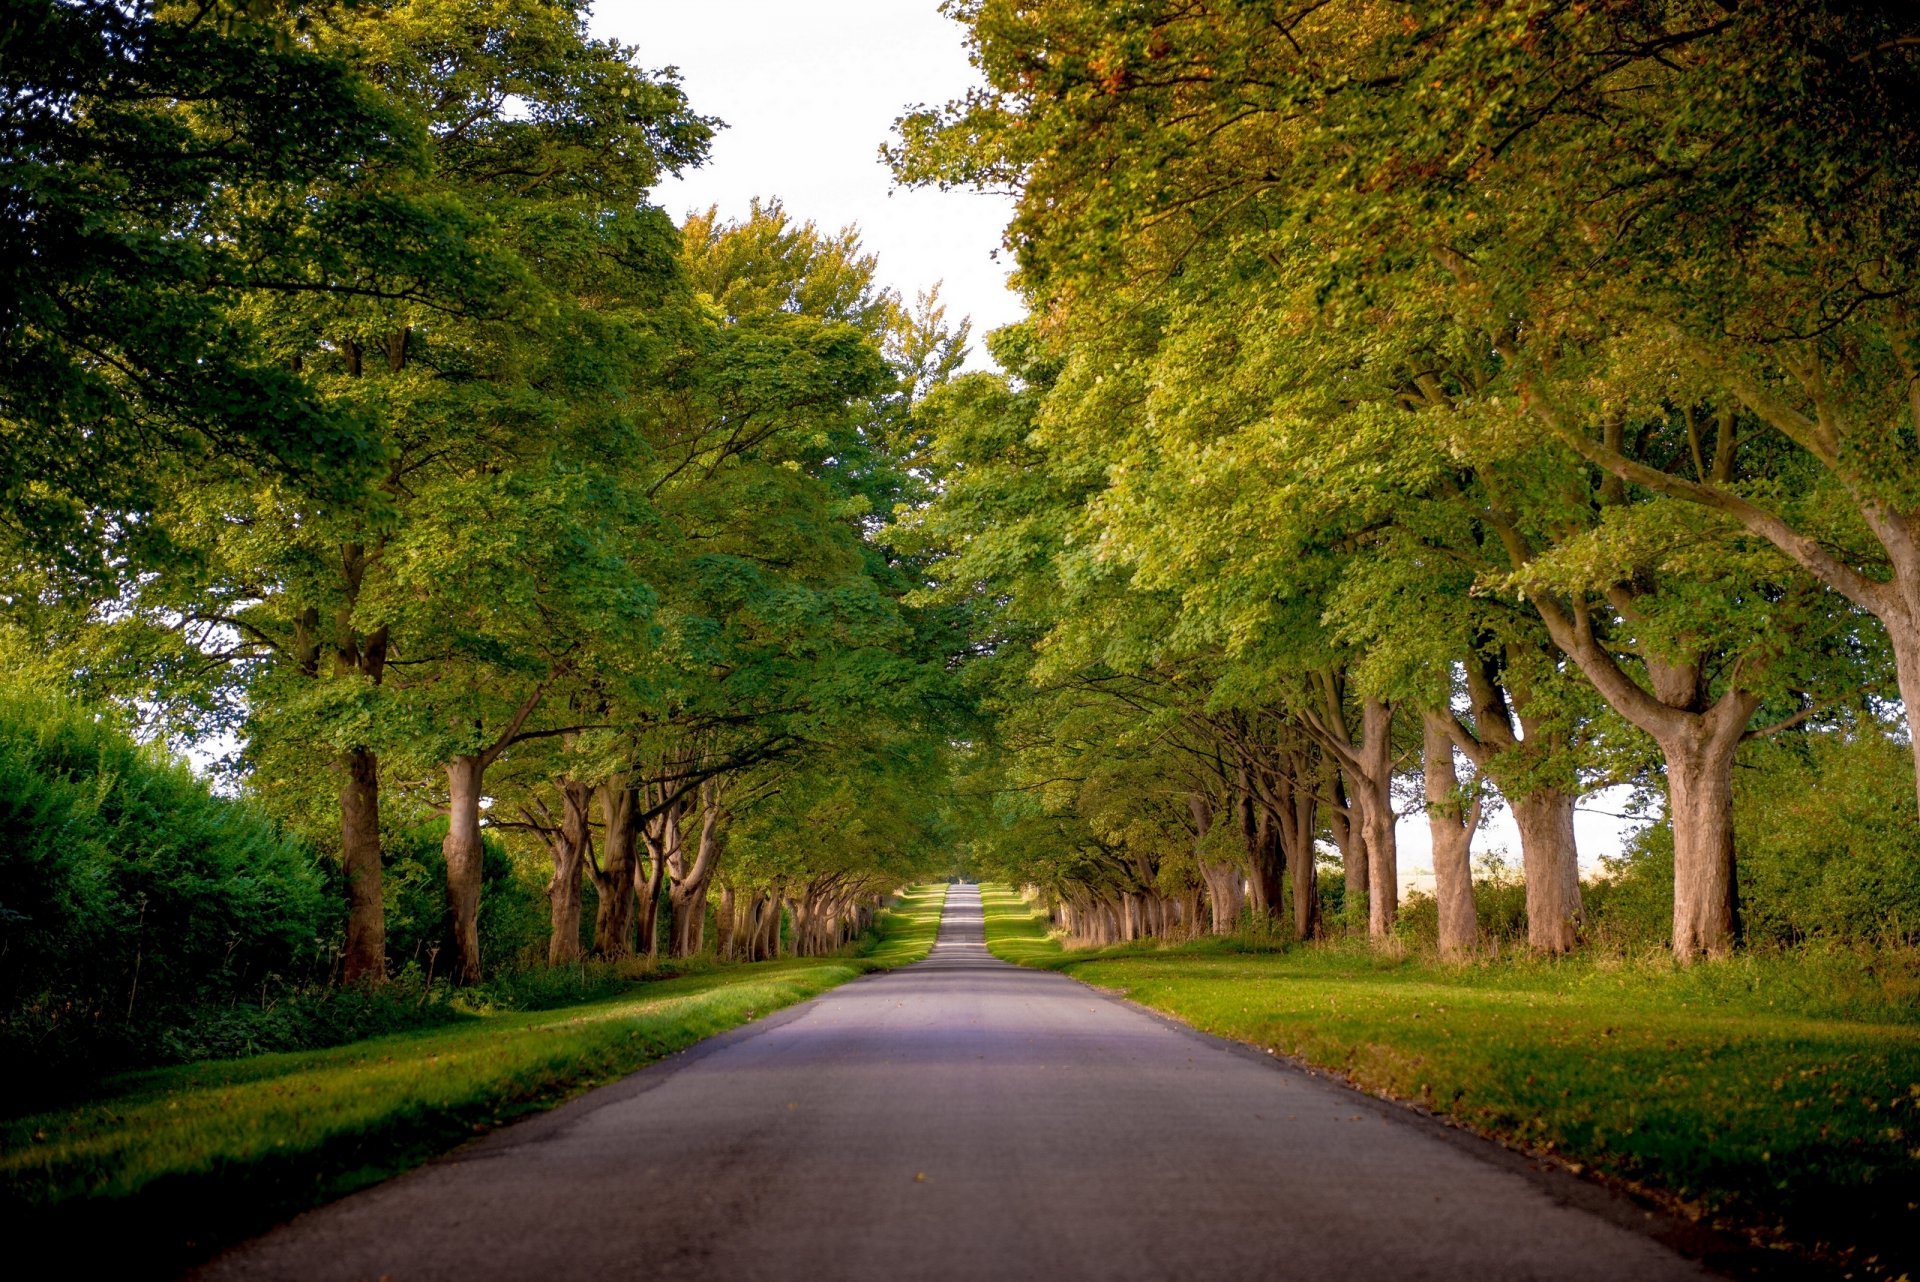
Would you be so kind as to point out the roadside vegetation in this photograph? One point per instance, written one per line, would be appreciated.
(439, 586)
(182, 1160)
(429, 572)
(1776, 1096)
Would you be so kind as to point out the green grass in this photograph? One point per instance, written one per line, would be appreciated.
(1770, 1094)
(181, 1160)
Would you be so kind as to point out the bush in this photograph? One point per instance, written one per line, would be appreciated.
(130, 894)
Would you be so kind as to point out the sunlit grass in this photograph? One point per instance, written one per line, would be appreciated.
(1773, 1092)
(199, 1153)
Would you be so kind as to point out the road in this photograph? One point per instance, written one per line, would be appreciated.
(968, 1119)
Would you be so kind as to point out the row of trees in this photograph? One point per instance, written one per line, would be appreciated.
(1528, 390)
(362, 413)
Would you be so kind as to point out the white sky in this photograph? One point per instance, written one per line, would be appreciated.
(809, 90)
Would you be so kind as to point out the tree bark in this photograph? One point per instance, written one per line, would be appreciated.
(1451, 823)
(688, 893)
(1265, 863)
(648, 876)
(1706, 913)
(1375, 753)
(1549, 856)
(1222, 880)
(465, 854)
(365, 961)
(465, 857)
(1297, 810)
(1352, 843)
(568, 846)
(1550, 861)
(613, 876)
(723, 924)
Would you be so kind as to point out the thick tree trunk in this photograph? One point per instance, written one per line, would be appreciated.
(1699, 735)
(465, 856)
(613, 879)
(1376, 793)
(569, 849)
(1225, 898)
(755, 929)
(689, 919)
(1906, 666)
(688, 893)
(365, 961)
(1451, 823)
(723, 924)
(1298, 814)
(649, 875)
(1550, 860)
(1266, 864)
(1706, 916)
(1222, 880)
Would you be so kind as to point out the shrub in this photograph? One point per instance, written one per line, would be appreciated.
(130, 894)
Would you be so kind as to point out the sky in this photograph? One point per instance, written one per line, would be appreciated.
(809, 90)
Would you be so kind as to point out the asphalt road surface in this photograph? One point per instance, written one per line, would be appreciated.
(968, 1119)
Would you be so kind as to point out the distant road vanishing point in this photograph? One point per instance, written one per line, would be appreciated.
(968, 1119)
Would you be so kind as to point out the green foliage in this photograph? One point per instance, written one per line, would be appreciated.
(165, 165)
(1829, 849)
(130, 896)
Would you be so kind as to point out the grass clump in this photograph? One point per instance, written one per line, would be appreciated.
(186, 1159)
(1778, 1093)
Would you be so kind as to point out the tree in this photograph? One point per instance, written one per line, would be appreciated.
(166, 164)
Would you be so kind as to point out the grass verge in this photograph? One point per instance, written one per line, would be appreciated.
(1775, 1097)
(180, 1161)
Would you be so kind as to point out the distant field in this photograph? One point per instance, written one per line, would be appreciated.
(1774, 1096)
(180, 1159)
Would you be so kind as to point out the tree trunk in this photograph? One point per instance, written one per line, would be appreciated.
(648, 875)
(1265, 863)
(1298, 814)
(1222, 880)
(365, 961)
(569, 849)
(1706, 916)
(1352, 843)
(1451, 823)
(1699, 735)
(688, 893)
(1906, 666)
(689, 919)
(613, 879)
(1383, 862)
(465, 856)
(1550, 861)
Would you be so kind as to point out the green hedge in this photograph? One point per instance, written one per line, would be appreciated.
(130, 894)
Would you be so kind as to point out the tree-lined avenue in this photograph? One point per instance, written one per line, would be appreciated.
(964, 1118)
